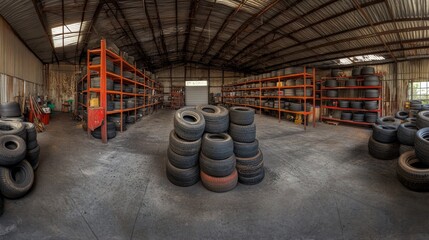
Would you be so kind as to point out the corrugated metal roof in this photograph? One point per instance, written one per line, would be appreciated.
(247, 35)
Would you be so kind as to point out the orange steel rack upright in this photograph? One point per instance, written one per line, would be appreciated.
(235, 91)
(150, 88)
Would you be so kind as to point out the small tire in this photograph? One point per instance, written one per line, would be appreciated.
(189, 124)
(421, 145)
(243, 133)
(388, 120)
(220, 184)
(246, 150)
(385, 133)
(183, 147)
(422, 119)
(407, 133)
(217, 168)
(13, 128)
(216, 118)
(252, 180)
(217, 145)
(383, 151)
(401, 115)
(16, 180)
(12, 150)
(242, 115)
(251, 161)
(411, 173)
(182, 162)
(182, 177)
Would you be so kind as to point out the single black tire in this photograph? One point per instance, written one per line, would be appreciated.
(12, 150)
(250, 172)
(180, 161)
(412, 173)
(407, 133)
(422, 119)
(241, 115)
(242, 133)
(372, 93)
(331, 83)
(336, 72)
(253, 161)
(16, 180)
(33, 157)
(252, 180)
(371, 117)
(388, 120)
(246, 150)
(367, 71)
(411, 119)
(219, 184)
(10, 109)
(383, 151)
(356, 105)
(31, 131)
(405, 148)
(13, 128)
(189, 124)
(401, 115)
(351, 82)
(217, 118)
(358, 117)
(346, 115)
(385, 133)
(344, 104)
(32, 144)
(111, 131)
(370, 105)
(421, 145)
(332, 93)
(182, 177)
(183, 147)
(217, 168)
(217, 145)
(356, 71)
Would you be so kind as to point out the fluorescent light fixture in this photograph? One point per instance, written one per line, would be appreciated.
(196, 83)
(70, 34)
(359, 59)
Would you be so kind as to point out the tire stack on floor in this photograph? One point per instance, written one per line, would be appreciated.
(184, 147)
(413, 166)
(19, 157)
(383, 144)
(217, 159)
(250, 163)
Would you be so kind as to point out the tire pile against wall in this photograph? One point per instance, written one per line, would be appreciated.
(19, 158)
(200, 147)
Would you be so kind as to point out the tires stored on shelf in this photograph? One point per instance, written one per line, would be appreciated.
(111, 131)
(370, 105)
(356, 104)
(383, 151)
(422, 119)
(412, 173)
(385, 133)
(336, 72)
(332, 93)
(367, 71)
(297, 107)
(371, 93)
(290, 82)
(351, 82)
(331, 83)
(346, 115)
(290, 92)
(421, 145)
(356, 71)
(344, 104)
(358, 117)
(370, 117)
(407, 133)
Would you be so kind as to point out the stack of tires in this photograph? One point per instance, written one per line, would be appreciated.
(111, 131)
(413, 166)
(250, 163)
(184, 146)
(383, 143)
(11, 111)
(217, 159)
(19, 157)
(406, 135)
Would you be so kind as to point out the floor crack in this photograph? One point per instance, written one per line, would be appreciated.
(89, 226)
(138, 212)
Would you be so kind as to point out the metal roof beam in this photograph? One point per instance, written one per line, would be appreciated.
(161, 31)
(151, 26)
(202, 30)
(87, 34)
(80, 29)
(192, 10)
(243, 27)
(42, 18)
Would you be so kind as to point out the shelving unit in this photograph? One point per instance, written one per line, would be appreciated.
(331, 103)
(177, 96)
(252, 93)
(145, 92)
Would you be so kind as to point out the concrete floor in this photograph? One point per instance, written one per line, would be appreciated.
(320, 184)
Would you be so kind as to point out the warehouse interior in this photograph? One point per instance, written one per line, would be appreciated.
(214, 119)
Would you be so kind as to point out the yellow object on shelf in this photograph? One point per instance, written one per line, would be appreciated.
(279, 84)
(94, 102)
(298, 119)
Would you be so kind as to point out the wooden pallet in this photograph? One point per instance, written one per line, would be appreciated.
(332, 123)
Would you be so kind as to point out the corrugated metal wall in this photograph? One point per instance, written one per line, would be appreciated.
(21, 73)
(61, 84)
